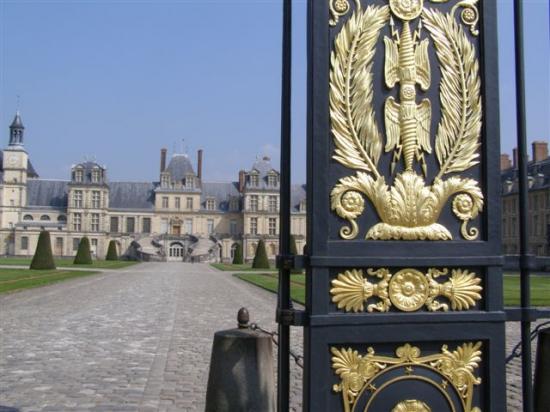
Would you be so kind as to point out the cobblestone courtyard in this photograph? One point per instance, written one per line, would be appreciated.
(137, 339)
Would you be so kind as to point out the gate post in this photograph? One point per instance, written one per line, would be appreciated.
(404, 285)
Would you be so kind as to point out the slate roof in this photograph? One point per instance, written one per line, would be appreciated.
(17, 122)
(221, 192)
(538, 171)
(50, 193)
(179, 166)
(131, 195)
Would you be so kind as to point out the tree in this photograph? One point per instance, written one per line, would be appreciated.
(111, 251)
(238, 255)
(260, 259)
(294, 251)
(83, 255)
(43, 257)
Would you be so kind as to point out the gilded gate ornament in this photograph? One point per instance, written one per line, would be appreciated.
(455, 369)
(407, 290)
(409, 208)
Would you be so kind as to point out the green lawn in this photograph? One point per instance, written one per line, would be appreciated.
(97, 264)
(229, 267)
(540, 287)
(16, 279)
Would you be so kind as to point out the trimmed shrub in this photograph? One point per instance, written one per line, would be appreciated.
(43, 257)
(238, 256)
(83, 255)
(111, 251)
(260, 258)
(294, 251)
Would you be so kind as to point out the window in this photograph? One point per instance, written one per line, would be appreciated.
(58, 245)
(188, 226)
(79, 175)
(178, 203)
(95, 222)
(44, 218)
(272, 180)
(253, 225)
(165, 202)
(233, 226)
(254, 203)
(303, 206)
(210, 223)
(130, 224)
(95, 176)
(210, 204)
(190, 181)
(94, 245)
(164, 180)
(28, 217)
(254, 180)
(234, 204)
(77, 222)
(164, 226)
(272, 226)
(62, 218)
(96, 199)
(76, 242)
(24, 243)
(77, 198)
(146, 225)
(114, 224)
(189, 201)
(272, 204)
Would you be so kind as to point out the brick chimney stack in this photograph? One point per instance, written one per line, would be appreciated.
(162, 159)
(505, 162)
(199, 164)
(241, 180)
(540, 150)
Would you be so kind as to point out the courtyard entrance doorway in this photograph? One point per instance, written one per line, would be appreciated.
(176, 230)
(175, 251)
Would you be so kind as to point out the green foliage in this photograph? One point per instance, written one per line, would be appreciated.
(43, 257)
(111, 251)
(83, 255)
(238, 256)
(260, 259)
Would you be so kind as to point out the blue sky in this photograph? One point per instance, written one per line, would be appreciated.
(118, 80)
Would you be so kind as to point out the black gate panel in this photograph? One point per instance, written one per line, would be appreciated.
(404, 290)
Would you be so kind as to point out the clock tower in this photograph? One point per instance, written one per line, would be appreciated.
(15, 164)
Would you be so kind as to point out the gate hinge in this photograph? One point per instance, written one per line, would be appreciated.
(291, 317)
(290, 262)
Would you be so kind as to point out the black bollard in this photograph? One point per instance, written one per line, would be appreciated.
(542, 372)
(241, 374)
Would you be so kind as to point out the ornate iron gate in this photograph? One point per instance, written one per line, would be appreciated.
(404, 308)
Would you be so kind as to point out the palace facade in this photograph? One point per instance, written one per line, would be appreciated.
(178, 217)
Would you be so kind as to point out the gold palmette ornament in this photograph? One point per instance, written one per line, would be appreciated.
(358, 372)
(409, 209)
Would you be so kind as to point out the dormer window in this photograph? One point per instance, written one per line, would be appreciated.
(234, 204)
(95, 176)
(254, 180)
(303, 206)
(190, 181)
(165, 180)
(210, 204)
(79, 175)
(272, 180)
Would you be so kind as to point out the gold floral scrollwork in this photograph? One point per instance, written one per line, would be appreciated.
(358, 372)
(408, 206)
(411, 405)
(407, 290)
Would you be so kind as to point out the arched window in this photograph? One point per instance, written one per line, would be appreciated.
(27, 217)
(62, 218)
(45, 217)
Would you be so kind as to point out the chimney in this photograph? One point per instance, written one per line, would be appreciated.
(515, 159)
(241, 180)
(162, 159)
(540, 150)
(199, 164)
(505, 162)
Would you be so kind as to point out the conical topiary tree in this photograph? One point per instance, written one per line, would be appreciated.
(238, 255)
(294, 251)
(111, 251)
(43, 257)
(260, 258)
(83, 255)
